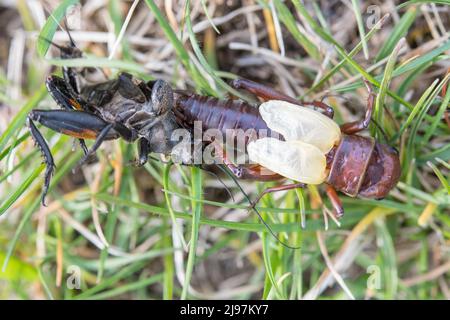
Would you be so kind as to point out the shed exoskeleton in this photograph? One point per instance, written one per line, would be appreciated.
(124, 107)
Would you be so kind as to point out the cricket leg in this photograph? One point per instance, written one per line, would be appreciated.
(338, 209)
(143, 152)
(253, 172)
(102, 136)
(267, 93)
(59, 91)
(108, 132)
(357, 126)
(78, 124)
(327, 110)
(47, 155)
(69, 73)
(276, 189)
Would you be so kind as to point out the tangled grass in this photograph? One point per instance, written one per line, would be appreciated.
(167, 232)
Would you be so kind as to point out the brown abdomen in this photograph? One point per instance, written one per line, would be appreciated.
(218, 114)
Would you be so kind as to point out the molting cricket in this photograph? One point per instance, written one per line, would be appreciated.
(312, 148)
(212, 150)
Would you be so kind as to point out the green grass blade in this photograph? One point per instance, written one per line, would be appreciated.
(378, 113)
(417, 108)
(19, 119)
(167, 193)
(128, 287)
(388, 257)
(357, 10)
(268, 265)
(288, 20)
(398, 32)
(411, 2)
(20, 190)
(44, 284)
(50, 26)
(431, 129)
(196, 189)
(170, 34)
(413, 142)
(167, 239)
(109, 282)
(34, 205)
(440, 176)
(16, 142)
(352, 53)
(208, 16)
(423, 59)
(198, 52)
(329, 38)
(98, 62)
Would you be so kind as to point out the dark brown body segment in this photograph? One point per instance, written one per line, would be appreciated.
(350, 162)
(382, 174)
(364, 167)
(219, 114)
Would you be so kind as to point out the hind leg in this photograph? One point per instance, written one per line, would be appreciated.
(338, 209)
(252, 172)
(78, 124)
(63, 97)
(267, 93)
(357, 126)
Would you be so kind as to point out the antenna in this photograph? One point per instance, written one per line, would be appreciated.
(229, 174)
(220, 180)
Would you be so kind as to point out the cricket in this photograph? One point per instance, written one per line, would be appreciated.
(225, 151)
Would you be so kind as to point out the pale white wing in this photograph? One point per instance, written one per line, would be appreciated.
(295, 160)
(300, 123)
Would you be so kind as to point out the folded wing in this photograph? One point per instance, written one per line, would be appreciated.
(295, 160)
(300, 123)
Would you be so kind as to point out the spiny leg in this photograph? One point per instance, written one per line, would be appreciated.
(102, 136)
(109, 131)
(47, 155)
(59, 90)
(78, 124)
(267, 93)
(66, 92)
(357, 126)
(82, 125)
